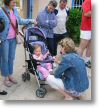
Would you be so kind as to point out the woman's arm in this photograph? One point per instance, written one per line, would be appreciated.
(53, 23)
(88, 14)
(63, 66)
(57, 60)
(87, 8)
(42, 21)
(23, 21)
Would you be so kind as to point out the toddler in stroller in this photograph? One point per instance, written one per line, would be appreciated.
(44, 68)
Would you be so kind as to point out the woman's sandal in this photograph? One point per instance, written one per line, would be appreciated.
(69, 98)
(13, 80)
(7, 83)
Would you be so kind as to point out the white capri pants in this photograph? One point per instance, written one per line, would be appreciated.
(57, 83)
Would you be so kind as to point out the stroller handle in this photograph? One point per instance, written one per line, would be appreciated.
(25, 27)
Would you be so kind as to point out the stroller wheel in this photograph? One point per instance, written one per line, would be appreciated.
(44, 89)
(41, 92)
(24, 78)
(28, 76)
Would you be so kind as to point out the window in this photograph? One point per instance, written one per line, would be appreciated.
(77, 3)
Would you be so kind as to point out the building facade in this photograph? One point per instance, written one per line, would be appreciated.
(31, 8)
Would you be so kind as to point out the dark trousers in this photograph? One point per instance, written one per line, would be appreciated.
(57, 39)
(50, 45)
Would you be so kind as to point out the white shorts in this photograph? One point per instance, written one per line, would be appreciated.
(85, 35)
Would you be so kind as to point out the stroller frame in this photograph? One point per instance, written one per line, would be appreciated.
(41, 91)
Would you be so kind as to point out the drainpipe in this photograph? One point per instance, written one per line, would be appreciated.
(73, 3)
(29, 9)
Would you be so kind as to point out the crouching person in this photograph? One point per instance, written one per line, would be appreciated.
(70, 78)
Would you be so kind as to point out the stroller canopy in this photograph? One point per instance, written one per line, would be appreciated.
(35, 34)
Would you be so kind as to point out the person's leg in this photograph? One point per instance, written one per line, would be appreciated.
(43, 71)
(85, 38)
(88, 55)
(55, 44)
(88, 51)
(4, 68)
(61, 36)
(82, 47)
(48, 66)
(50, 43)
(57, 39)
(5, 53)
(12, 50)
(57, 84)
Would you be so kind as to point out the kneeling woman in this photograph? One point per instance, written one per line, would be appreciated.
(71, 76)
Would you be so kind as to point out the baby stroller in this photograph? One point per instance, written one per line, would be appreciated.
(33, 36)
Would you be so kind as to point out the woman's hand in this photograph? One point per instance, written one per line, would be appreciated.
(57, 59)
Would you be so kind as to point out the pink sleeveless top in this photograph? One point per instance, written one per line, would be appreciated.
(11, 33)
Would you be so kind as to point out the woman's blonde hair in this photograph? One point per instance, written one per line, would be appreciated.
(68, 45)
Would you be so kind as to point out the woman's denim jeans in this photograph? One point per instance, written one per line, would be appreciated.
(8, 48)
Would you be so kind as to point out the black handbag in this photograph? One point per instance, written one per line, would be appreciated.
(2, 24)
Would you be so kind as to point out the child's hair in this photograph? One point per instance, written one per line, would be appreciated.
(36, 46)
(68, 45)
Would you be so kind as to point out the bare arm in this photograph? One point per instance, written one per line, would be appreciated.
(88, 14)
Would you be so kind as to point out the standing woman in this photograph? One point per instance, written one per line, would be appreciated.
(86, 31)
(47, 21)
(8, 39)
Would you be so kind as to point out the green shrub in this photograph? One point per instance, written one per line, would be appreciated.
(73, 24)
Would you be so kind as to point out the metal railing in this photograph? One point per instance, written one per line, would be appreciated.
(77, 3)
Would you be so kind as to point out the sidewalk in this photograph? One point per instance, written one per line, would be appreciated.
(26, 91)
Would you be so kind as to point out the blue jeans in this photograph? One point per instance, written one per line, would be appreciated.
(8, 48)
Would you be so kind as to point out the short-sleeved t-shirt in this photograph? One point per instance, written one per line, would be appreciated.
(86, 21)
